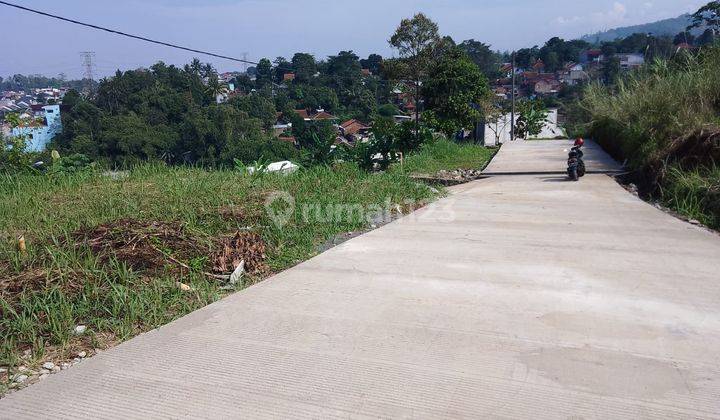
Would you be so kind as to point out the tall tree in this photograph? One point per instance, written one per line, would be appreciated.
(456, 91)
(372, 63)
(481, 54)
(305, 67)
(264, 74)
(415, 39)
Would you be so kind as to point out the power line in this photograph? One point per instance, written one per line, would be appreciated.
(112, 31)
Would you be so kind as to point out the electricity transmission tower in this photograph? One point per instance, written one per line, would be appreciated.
(245, 64)
(89, 67)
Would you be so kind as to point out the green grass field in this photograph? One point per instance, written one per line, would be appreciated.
(122, 255)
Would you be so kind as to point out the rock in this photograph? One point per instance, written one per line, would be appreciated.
(56, 369)
(82, 354)
(44, 371)
(694, 222)
(80, 329)
(43, 376)
(21, 378)
(64, 366)
(3, 370)
(48, 365)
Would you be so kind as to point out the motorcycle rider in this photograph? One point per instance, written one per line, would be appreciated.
(576, 166)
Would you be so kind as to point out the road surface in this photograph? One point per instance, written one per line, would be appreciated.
(520, 296)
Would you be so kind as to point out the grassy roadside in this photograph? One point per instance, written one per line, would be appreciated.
(445, 155)
(126, 254)
(665, 120)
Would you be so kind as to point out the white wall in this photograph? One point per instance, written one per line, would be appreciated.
(550, 129)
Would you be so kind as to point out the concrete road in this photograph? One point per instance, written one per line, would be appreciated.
(515, 297)
(547, 156)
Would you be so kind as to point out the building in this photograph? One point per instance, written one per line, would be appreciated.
(318, 115)
(630, 60)
(354, 130)
(41, 129)
(592, 55)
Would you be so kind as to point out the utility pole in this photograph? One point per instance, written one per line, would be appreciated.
(88, 65)
(512, 112)
(417, 110)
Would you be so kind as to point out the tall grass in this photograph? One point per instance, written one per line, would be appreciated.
(640, 117)
(650, 113)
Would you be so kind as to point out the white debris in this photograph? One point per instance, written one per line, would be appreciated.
(80, 329)
(21, 378)
(48, 365)
(284, 166)
(237, 275)
(82, 354)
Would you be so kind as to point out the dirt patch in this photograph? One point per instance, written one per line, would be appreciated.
(243, 246)
(141, 245)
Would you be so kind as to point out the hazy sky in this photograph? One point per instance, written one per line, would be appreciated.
(271, 28)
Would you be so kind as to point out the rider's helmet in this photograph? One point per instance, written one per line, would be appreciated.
(579, 142)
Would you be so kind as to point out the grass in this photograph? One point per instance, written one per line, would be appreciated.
(641, 117)
(694, 193)
(58, 283)
(447, 155)
(662, 119)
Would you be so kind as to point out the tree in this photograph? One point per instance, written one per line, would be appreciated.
(708, 17)
(415, 39)
(256, 106)
(316, 141)
(611, 70)
(531, 118)
(264, 74)
(372, 63)
(455, 91)
(684, 38)
(282, 66)
(305, 67)
(483, 57)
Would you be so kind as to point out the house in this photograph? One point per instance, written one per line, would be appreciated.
(354, 130)
(288, 77)
(574, 77)
(592, 55)
(366, 72)
(318, 115)
(630, 60)
(41, 129)
(539, 66)
(546, 87)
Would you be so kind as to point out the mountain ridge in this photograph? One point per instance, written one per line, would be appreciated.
(669, 27)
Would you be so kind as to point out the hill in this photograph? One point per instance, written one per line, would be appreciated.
(669, 27)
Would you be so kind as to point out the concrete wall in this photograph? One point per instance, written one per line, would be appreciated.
(502, 127)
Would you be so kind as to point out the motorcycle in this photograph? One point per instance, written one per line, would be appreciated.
(576, 165)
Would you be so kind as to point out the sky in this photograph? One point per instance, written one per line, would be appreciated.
(32, 44)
